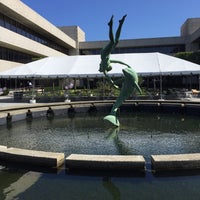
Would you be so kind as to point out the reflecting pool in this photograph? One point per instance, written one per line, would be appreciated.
(139, 134)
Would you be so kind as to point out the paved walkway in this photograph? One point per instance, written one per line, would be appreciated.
(8, 101)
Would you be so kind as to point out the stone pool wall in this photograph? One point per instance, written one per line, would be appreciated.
(101, 162)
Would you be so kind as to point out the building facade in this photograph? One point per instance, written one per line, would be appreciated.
(189, 40)
(26, 36)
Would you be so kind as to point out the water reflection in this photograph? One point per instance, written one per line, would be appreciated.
(111, 188)
(143, 134)
(21, 185)
(121, 146)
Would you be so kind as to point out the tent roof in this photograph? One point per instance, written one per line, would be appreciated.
(145, 64)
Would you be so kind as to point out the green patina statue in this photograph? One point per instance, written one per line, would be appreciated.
(130, 81)
(105, 65)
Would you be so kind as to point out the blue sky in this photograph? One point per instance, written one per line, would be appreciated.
(145, 18)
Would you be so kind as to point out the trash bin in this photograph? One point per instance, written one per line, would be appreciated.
(18, 96)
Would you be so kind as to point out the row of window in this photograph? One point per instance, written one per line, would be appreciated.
(15, 56)
(172, 49)
(17, 27)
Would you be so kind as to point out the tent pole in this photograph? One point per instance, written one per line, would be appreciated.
(88, 84)
(33, 87)
(199, 81)
(53, 86)
(154, 84)
(103, 87)
(161, 96)
(75, 84)
(15, 84)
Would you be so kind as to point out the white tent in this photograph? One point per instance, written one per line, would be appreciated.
(145, 64)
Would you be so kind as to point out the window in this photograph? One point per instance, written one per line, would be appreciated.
(15, 26)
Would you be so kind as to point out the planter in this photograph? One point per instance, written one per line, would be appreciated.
(32, 101)
(50, 99)
(18, 96)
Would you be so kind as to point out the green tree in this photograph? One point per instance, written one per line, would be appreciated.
(189, 56)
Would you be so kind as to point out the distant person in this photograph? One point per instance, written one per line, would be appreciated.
(29, 85)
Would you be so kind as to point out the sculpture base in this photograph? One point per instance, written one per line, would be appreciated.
(112, 119)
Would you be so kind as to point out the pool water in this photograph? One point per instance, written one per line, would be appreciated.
(139, 134)
(34, 185)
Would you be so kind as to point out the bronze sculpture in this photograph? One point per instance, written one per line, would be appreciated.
(130, 81)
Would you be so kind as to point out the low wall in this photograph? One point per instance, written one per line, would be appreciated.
(175, 162)
(99, 163)
(105, 162)
(39, 109)
(158, 162)
(31, 157)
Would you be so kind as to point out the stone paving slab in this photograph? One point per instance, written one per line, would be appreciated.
(31, 157)
(105, 162)
(175, 162)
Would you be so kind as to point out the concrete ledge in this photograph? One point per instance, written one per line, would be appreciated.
(104, 162)
(3, 148)
(30, 157)
(175, 162)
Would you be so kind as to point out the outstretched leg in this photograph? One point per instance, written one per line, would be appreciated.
(113, 41)
(110, 24)
(107, 50)
(121, 21)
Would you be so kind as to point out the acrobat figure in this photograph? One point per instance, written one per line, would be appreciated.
(130, 80)
(105, 65)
